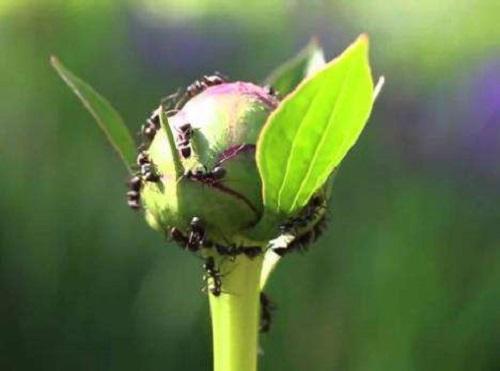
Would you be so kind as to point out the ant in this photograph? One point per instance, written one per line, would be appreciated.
(195, 88)
(195, 174)
(195, 239)
(186, 131)
(149, 172)
(216, 174)
(308, 213)
(152, 124)
(147, 169)
(213, 273)
(142, 158)
(215, 79)
(271, 90)
(178, 237)
(206, 81)
(184, 139)
(252, 251)
(267, 308)
(185, 151)
(301, 243)
(197, 235)
(233, 251)
(209, 177)
(134, 195)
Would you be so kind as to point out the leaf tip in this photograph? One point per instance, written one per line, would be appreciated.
(314, 42)
(54, 61)
(364, 38)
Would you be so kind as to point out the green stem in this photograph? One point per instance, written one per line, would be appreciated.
(235, 315)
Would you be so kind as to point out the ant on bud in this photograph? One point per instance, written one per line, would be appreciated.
(148, 130)
(215, 79)
(271, 90)
(134, 195)
(195, 88)
(217, 173)
(196, 238)
(197, 235)
(209, 177)
(152, 124)
(184, 140)
(149, 173)
(186, 130)
(212, 273)
(302, 242)
(307, 215)
(252, 251)
(143, 158)
(178, 237)
(233, 251)
(206, 81)
(185, 151)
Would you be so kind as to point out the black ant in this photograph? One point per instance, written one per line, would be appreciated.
(233, 251)
(142, 158)
(149, 173)
(216, 174)
(206, 81)
(196, 174)
(147, 169)
(195, 239)
(252, 251)
(267, 308)
(186, 131)
(271, 90)
(178, 237)
(213, 273)
(308, 213)
(195, 88)
(185, 151)
(184, 140)
(302, 242)
(151, 126)
(209, 177)
(134, 195)
(215, 79)
(197, 235)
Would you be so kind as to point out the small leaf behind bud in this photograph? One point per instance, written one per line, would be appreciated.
(287, 76)
(108, 119)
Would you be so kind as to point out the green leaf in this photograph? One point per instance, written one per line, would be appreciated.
(106, 116)
(286, 77)
(313, 128)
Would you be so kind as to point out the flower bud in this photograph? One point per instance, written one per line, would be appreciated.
(207, 189)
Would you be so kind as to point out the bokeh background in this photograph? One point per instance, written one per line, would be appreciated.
(406, 278)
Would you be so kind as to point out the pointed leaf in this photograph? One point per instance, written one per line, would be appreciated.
(286, 77)
(106, 116)
(312, 130)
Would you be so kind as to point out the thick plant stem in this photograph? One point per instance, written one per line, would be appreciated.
(235, 315)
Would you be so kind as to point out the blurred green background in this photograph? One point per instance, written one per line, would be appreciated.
(406, 278)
